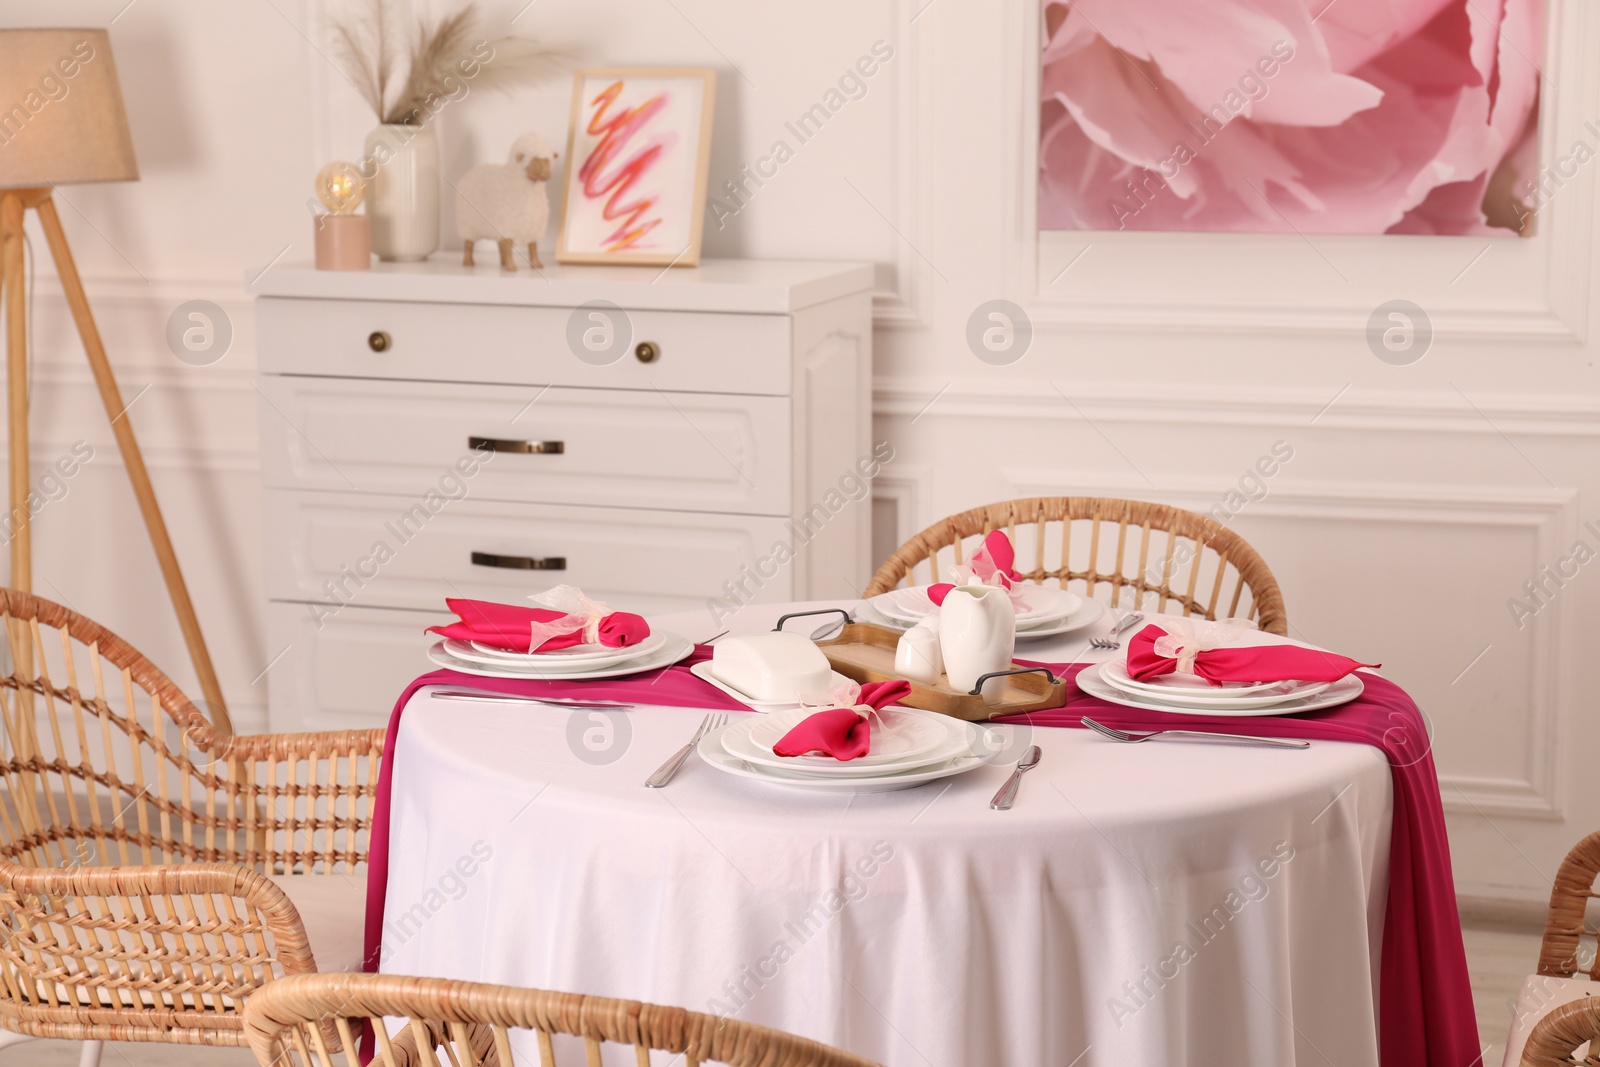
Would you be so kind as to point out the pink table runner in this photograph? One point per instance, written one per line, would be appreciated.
(1425, 1016)
(1425, 1013)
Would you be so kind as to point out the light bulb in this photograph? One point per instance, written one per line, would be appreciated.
(340, 187)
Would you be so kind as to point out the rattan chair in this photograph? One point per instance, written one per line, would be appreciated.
(150, 861)
(1566, 1025)
(1163, 558)
(316, 1021)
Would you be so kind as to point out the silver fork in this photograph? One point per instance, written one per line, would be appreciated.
(664, 773)
(1112, 641)
(1135, 738)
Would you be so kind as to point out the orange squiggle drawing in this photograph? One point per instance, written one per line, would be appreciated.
(614, 135)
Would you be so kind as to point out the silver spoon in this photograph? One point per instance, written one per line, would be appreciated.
(1008, 793)
(1242, 739)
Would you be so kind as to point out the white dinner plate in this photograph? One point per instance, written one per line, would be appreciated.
(1115, 673)
(577, 657)
(1343, 691)
(715, 756)
(915, 739)
(671, 651)
(1044, 603)
(702, 671)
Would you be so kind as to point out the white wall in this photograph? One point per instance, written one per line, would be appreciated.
(1419, 499)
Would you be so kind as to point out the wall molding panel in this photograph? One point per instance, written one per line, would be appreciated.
(1565, 415)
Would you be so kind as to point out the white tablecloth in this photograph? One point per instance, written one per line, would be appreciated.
(1165, 903)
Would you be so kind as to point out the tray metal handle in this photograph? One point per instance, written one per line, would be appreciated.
(977, 690)
(819, 611)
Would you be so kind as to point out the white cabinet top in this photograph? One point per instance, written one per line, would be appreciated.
(737, 285)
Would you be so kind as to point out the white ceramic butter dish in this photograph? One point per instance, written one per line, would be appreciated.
(772, 666)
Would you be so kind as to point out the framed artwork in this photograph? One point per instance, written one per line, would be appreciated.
(1310, 117)
(638, 148)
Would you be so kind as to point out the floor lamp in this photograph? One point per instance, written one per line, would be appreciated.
(61, 122)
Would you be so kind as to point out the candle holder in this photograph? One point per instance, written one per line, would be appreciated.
(343, 238)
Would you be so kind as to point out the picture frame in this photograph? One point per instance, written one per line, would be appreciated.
(635, 193)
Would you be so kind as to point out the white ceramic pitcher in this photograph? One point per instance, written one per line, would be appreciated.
(977, 636)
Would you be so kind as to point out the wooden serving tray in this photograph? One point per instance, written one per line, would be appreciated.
(865, 653)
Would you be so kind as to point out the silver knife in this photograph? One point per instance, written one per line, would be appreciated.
(1008, 793)
(486, 697)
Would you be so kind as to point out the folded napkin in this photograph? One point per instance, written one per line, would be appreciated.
(564, 618)
(989, 565)
(1201, 649)
(843, 732)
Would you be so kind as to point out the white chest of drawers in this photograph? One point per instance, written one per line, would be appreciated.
(429, 430)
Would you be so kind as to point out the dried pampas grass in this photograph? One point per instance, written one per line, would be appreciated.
(445, 62)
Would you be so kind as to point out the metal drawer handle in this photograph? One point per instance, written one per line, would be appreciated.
(501, 444)
(519, 563)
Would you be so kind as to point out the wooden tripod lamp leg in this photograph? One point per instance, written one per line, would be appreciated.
(111, 396)
(11, 286)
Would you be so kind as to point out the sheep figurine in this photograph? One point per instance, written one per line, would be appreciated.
(506, 202)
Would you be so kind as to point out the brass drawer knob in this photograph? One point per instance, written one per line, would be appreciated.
(646, 351)
(378, 341)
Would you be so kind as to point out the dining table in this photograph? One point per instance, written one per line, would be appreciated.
(1173, 902)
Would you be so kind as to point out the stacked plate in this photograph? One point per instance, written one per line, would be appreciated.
(660, 649)
(909, 747)
(1042, 610)
(1188, 695)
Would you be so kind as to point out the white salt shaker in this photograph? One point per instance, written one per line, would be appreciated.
(917, 657)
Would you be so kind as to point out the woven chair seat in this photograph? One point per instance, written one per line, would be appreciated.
(1542, 994)
(155, 869)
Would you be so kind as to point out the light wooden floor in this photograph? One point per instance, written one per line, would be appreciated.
(1498, 960)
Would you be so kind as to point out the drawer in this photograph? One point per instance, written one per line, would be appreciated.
(407, 552)
(341, 672)
(697, 351)
(682, 451)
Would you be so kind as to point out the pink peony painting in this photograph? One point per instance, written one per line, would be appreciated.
(1309, 116)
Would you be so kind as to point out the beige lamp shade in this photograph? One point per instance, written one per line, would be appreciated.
(61, 117)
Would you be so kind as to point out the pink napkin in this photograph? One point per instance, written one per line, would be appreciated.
(843, 733)
(512, 627)
(990, 565)
(1153, 652)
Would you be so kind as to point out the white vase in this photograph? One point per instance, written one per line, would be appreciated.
(977, 636)
(402, 163)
